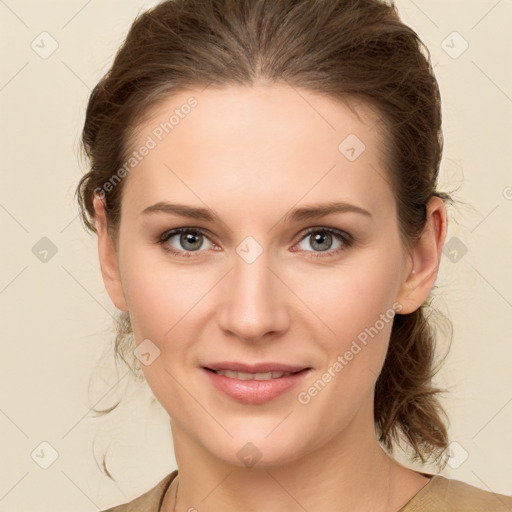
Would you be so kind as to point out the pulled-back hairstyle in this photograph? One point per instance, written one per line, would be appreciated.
(346, 49)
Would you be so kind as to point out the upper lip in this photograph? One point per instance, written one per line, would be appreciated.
(255, 368)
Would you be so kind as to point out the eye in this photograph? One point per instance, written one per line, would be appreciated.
(188, 239)
(183, 242)
(321, 240)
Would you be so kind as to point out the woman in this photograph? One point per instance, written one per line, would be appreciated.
(263, 188)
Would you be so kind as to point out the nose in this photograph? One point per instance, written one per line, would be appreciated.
(253, 301)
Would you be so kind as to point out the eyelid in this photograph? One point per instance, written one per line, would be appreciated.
(183, 229)
(343, 234)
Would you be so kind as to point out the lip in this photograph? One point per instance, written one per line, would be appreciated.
(254, 368)
(255, 391)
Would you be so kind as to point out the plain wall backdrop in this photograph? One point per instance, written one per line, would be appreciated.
(56, 317)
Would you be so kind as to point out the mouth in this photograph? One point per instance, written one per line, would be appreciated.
(232, 374)
(254, 388)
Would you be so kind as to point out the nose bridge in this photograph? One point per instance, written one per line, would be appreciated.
(252, 303)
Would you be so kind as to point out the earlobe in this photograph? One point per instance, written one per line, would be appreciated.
(108, 257)
(424, 259)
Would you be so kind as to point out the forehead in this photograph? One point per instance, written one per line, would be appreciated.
(255, 142)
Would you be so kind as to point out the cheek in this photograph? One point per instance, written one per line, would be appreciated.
(355, 305)
(353, 296)
(162, 300)
(158, 294)
(151, 303)
(358, 306)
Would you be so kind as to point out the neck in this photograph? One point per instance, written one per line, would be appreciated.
(351, 472)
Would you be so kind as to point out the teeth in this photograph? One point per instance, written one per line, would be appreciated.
(252, 376)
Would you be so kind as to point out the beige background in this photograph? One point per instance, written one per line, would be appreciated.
(56, 315)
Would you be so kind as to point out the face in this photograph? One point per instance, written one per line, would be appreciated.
(269, 277)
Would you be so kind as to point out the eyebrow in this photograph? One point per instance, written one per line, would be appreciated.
(322, 210)
(295, 215)
(181, 209)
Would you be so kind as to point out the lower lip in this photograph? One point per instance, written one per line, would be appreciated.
(255, 391)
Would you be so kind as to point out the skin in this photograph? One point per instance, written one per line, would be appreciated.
(251, 155)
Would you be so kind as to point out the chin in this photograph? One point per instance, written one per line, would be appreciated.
(257, 451)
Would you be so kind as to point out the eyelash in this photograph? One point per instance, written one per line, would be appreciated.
(347, 240)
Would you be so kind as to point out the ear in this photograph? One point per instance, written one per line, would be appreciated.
(108, 257)
(423, 266)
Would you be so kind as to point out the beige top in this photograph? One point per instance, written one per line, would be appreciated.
(440, 494)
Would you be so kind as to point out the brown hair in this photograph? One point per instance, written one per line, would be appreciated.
(346, 49)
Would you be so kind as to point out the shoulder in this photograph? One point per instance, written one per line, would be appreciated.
(444, 494)
(149, 501)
